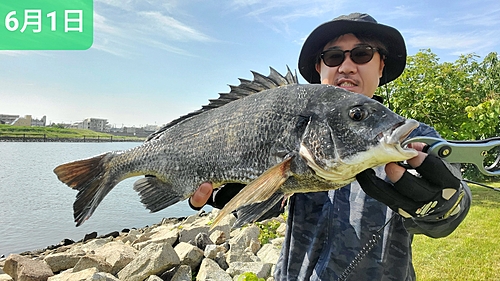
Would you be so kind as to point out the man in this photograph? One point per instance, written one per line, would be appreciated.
(327, 231)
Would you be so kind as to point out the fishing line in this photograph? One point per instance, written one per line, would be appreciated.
(482, 184)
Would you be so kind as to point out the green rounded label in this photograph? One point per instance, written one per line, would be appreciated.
(46, 24)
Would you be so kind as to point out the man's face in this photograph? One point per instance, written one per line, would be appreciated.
(358, 78)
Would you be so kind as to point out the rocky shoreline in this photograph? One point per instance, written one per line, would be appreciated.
(174, 249)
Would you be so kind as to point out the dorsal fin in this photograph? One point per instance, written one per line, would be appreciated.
(246, 88)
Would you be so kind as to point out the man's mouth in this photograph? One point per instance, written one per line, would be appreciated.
(346, 83)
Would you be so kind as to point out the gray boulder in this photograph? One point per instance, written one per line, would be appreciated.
(153, 259)
(21, 268)
(210, 270)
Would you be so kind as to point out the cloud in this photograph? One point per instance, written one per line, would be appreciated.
(131, 23)
(170, 27)
(457, 43)
(287, 10)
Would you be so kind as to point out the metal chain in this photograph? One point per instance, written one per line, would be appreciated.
(364, 251)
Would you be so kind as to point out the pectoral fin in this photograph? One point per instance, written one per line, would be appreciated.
(259, 189)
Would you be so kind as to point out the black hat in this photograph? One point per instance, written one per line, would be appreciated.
(356, 23)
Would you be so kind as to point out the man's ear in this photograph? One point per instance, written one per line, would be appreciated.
(318, 68)
(382, 65)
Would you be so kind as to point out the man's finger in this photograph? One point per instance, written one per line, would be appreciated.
(201, 195)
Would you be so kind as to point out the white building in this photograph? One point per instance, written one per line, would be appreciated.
(96, 124)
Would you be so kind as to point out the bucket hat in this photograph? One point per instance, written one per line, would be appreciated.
(356, 23)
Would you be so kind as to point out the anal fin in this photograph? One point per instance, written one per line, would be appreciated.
(260, 189)
(156, 194)
(259, 211)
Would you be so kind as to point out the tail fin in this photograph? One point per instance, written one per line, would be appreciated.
(90, 178)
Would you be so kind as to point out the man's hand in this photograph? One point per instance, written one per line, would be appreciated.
(201, 196)
(434, 191)
(205, 195)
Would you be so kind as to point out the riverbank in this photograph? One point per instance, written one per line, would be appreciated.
(54, 134)
(174, 249)
(44, 138)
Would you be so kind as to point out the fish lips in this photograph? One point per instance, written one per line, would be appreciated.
(399, 133)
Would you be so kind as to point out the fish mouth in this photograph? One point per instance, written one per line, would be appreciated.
(398, 134)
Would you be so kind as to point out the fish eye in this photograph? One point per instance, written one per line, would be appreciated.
(357, 113)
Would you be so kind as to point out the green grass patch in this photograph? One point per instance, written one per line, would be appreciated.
(54, 132)
(472, 251)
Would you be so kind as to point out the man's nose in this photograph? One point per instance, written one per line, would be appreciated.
(347, 66)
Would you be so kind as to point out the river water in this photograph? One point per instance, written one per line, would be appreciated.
(36, 208)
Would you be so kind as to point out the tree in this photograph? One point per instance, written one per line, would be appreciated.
(460, 99)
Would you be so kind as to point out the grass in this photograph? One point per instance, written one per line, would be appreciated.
(53, 132)
(472, 251)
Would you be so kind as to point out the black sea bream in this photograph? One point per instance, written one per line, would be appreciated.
(274, 135)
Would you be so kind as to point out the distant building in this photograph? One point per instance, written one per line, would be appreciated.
(27, 120)
(8, 119)
(151, 128)
(95, 124)
(39, 122)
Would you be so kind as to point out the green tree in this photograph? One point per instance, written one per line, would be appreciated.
(452, 97)
(459, 99)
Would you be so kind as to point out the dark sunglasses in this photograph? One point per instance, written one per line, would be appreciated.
(359, 55)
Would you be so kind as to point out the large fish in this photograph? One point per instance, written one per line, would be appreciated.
(274, 135)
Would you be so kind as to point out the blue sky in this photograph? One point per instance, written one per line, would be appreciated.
(154, 60)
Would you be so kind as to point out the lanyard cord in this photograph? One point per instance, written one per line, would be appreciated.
(364, 251)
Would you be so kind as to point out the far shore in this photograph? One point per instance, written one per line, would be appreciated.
(80, 139)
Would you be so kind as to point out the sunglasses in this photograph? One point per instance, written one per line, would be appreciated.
(359, 55)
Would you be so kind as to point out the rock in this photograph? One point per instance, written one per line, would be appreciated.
(281, 230)
(66, 242)
(90, 261)
(183, 273)
(154, 278)
(89, 236)
(262, 270)
(165, 234)
(189, 254)
(254, 246)
(90, 246)
(132, 236)
(224, 225)
(218, 237)
(160, 235)
(220, 259)
(189, 232)
(202, 240)
(211, 251)
(62, 261)
(153, 259)
(245, 237)
(191, 219)
(102, 276)
(113, 234)
(5, 277)
(21, 268)
(210, 270)
(238, 245)
(117, 254)
(90, 274)
(269, 253)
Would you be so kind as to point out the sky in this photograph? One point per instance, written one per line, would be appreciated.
(154, 60)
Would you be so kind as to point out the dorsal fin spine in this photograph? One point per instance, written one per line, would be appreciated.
(258, 84)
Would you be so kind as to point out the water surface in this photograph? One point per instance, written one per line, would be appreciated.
(36, 208)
